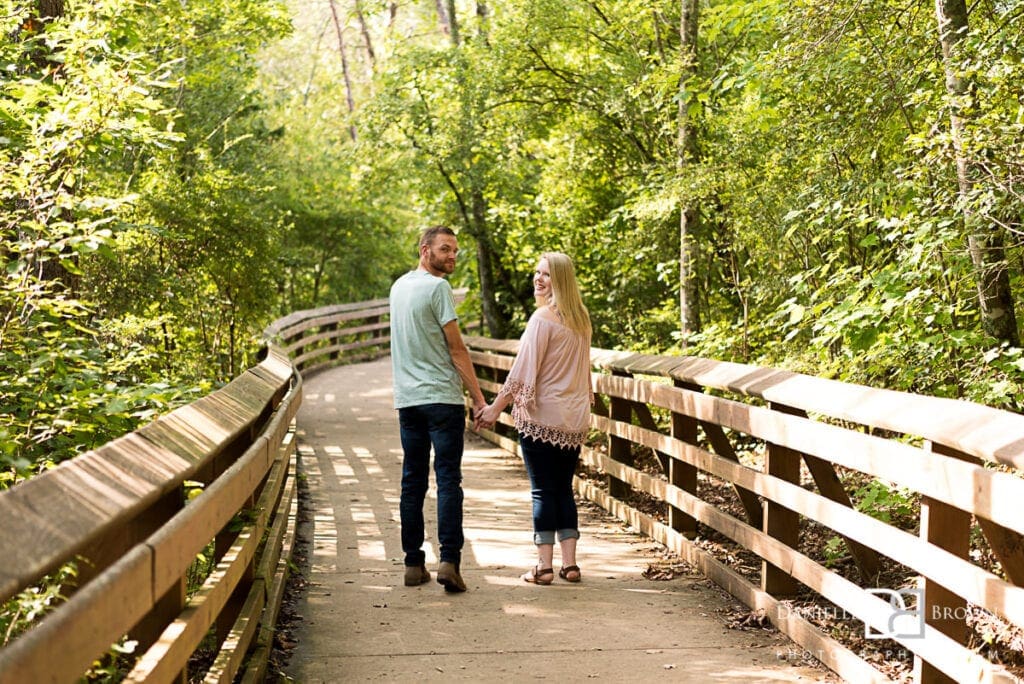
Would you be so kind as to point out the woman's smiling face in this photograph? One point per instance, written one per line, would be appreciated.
(542, 280)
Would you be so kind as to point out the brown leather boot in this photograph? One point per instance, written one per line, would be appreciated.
(416, 575)
(448, 575)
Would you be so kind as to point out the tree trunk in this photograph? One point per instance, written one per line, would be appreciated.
(453, 23)
(51, 9)
(54, 271)
(366, 35)
(442, 17)
(473, 208)
(482, 13)
(494, 320)
(344, 69)
(985, 240)
(689, 217)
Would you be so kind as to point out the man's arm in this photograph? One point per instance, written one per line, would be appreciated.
(463, 364)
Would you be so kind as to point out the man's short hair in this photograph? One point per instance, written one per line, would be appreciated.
(429, 234)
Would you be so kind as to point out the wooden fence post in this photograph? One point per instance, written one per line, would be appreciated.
(830, 486)
(683, 475)
(620, 449)
(948, 528)
(102, 555)
(780, 522)
(376, 335)
(332, 328)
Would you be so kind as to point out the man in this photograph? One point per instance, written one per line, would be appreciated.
(431, 365)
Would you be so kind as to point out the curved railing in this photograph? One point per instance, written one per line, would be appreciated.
(318, 338)
(960, 459)
(315, 338)
(123, 513)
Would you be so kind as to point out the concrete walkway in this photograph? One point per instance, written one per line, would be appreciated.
(360, 622)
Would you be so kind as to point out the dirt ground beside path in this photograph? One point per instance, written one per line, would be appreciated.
(637, 615)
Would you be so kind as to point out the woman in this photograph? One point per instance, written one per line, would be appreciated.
(549, 388)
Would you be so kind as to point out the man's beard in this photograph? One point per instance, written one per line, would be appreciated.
(440, 264)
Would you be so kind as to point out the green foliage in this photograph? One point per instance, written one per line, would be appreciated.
(18, 613)
(349, 211)
(343, 241)
(69, 389)
(76, 97)
(198, 251)
(834, 550)
(115, 664)
(200, 569)
(830, 238)
(884, 502)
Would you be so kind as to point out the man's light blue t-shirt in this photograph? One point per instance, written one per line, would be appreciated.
(421, 305)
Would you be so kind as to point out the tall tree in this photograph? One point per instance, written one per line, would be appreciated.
(339, 30)
(365, 30)
(482, 13)
(476, 218)
(985, 240)
(689, 215)
(442, 17)
(453, 22)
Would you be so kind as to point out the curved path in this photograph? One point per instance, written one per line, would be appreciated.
(361, 623)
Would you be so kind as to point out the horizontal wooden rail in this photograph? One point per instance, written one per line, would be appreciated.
(960, 460)
(973, 429)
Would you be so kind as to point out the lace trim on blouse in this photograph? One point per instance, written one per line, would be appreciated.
(543, 433)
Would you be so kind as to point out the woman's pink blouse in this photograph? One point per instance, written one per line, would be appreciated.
(550, 383)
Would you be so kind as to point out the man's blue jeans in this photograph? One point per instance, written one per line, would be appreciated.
(441, 426)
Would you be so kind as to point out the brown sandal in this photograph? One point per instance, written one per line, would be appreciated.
(539, 575)
(570, 573)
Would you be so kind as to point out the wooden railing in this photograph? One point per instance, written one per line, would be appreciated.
(216, 476)
(122, 514)
(960, 460)
(316, 338)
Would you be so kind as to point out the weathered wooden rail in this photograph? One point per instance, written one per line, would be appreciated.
(955, 455)
(124, 516)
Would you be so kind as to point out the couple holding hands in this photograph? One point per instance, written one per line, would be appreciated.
(548, 387)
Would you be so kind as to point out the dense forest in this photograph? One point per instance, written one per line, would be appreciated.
(832, 187)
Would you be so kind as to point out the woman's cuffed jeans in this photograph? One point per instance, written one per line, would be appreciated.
(551, 469)
(441, 426)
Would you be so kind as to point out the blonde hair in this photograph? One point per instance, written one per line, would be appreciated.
(565, 293)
